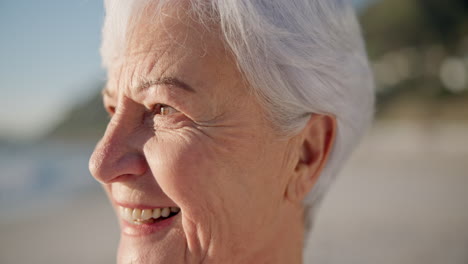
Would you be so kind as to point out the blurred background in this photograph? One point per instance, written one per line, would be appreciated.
(402, 197)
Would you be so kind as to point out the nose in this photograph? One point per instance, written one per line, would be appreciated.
(116, 155)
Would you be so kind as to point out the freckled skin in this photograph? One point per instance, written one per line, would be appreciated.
(217, 158)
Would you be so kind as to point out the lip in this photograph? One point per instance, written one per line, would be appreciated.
(140, 206)
(145, 229)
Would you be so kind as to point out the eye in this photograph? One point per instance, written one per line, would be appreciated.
(161, 109)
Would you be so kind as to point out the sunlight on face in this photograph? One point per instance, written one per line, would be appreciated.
(192, 167)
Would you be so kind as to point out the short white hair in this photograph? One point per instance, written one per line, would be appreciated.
(299, 56)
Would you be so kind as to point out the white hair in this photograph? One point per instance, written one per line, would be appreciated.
(299, 56)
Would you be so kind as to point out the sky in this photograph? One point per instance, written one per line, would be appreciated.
(49, 61)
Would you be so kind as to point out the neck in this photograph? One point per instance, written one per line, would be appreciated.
(286, 245)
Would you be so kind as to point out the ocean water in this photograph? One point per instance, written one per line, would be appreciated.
(37, 177)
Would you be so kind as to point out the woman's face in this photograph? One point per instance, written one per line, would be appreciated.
(186, 133)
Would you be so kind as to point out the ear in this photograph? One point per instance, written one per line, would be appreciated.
(313, 149)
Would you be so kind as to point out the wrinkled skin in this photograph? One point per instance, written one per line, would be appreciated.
(239, 184)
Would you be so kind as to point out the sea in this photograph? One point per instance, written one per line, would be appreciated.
(42, 175)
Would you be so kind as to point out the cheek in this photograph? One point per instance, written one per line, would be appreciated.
(209, 172)
(217, 182)
(182, 165)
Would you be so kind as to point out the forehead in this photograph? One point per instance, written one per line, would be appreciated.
(168, 43)
(158, 28)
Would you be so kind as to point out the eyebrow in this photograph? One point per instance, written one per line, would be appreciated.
(170, 81)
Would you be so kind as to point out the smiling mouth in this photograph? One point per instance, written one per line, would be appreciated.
(147, 216)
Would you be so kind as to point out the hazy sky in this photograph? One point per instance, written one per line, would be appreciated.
(49, 61)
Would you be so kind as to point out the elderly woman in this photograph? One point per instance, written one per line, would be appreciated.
(229, 120)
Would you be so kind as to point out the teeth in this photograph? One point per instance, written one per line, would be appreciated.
(128, 214)
(165, 212)
(137, 216)
(156, 213)
(146, 214)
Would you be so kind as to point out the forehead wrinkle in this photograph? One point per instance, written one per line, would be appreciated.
(161, 78)
(134, 71)
(142, 74)
(132, 77)
(151, 53)
(155, 60)
(167, 67)
(159, 39)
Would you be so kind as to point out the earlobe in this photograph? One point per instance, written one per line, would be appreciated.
(315, 146)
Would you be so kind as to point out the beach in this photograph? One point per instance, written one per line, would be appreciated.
(402, 198)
